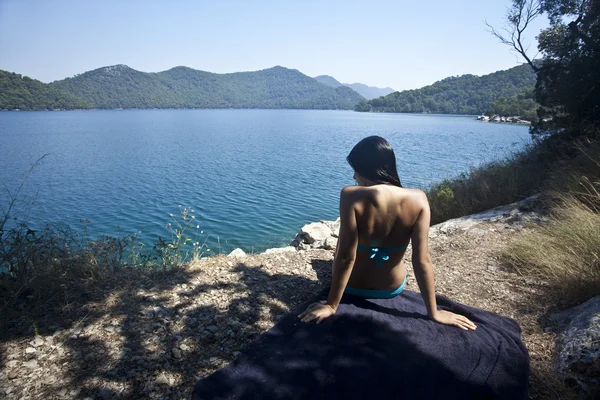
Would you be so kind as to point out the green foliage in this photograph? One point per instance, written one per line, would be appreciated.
(568, 76)
(23, 93)
(521, 104)
(497, 183)
(122, 87)
(466, 94)
(177, 251)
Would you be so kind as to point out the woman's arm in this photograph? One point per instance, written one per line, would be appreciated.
(423, 268)
(343, 262)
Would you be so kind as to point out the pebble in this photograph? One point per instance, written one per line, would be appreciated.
(12, 363)
(176, 352)
(162, 380)
(105, 393)
(37, 341)
(12, 374)
(30, 350)
(184, 347)
(31, 364)
(212, 329)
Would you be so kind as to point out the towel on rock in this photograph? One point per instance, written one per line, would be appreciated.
(378, 349)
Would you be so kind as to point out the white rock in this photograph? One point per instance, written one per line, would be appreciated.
(316, 232)
(30, 350)
(280, 250)
(330, 243)
(37, 341)
(237, 253)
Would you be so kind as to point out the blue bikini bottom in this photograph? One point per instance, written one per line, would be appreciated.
(375, 294)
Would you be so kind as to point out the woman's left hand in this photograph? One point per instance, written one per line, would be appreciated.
(317, 311)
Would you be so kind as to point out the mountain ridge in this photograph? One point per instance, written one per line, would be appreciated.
(120, 86)
(465, 94)
(368, 92)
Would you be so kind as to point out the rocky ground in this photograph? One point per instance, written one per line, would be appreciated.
(154, 336)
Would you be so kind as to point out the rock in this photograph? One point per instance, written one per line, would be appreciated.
(577, 354)
(32, 364)
(158, 312)
(30, 350)
(212, 329)
(237, 253)
(176, 352)
(12, 374)
(37, 341)
(315, 232)
(105, 394)
(184, 347)
(12, 363)
(330, 243)
(334, 226)
(280, 250)
(162, 380)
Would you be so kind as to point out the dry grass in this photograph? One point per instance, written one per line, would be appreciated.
(566, 250)
(498, 183)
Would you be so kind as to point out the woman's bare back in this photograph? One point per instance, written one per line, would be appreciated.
(385, 216)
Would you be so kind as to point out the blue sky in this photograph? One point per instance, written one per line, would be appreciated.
(401, 44)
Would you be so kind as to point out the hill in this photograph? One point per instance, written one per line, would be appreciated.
(368, 92)
(329, 81)
(122, 87)
(23, 93)
(466, 94)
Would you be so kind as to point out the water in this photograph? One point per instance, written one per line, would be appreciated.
(253, 177)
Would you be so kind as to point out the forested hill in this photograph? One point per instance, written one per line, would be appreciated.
(22, 93)
(466, 94)
(122, 87)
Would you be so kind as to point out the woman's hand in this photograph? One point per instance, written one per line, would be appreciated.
(449, 318)
(317, 311)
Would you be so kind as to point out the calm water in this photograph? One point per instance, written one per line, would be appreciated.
(254, 177)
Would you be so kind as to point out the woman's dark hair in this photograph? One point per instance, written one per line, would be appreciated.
(373, 158)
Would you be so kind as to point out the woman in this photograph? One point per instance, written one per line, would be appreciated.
(378, 220)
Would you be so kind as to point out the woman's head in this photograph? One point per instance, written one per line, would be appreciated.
(373, 159)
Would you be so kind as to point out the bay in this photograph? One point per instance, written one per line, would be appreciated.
(253, 177)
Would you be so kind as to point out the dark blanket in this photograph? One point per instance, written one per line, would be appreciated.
(378, 349)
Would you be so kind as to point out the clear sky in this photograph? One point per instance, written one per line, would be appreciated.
(401, 44)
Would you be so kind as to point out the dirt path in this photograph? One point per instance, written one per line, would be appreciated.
(153, 337)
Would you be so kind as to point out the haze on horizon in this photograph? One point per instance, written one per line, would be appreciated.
(385, 43)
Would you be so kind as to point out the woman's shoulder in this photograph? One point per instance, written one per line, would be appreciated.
(354, 193)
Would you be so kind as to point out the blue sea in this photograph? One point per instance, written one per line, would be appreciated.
(252, 177)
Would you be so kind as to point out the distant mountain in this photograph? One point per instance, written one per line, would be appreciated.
(119, 86)
(23, 93)
(368, 92)
(329, 81)
(466, 94)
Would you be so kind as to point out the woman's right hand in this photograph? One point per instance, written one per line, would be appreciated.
(449, 318)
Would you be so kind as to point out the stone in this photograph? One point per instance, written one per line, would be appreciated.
(176, 352)
(37, 341)
(32, 364)
(280, 250)
(30, 350)
(334, 226)
(105, 394)
(577, 353)
(12, 363)
(212, 329)
(237, 253)
(330, 243)
(184, 347)
(315, 232)
(161, 380)
(12, 374)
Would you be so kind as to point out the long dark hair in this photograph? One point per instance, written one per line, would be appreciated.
(373, 158)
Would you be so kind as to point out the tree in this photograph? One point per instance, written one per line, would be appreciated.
(568, 76)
